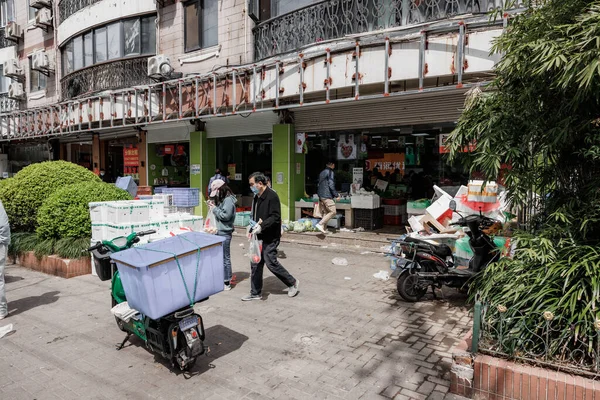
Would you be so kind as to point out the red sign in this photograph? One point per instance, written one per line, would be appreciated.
(444, 149)
(131, 157)
(169, 149)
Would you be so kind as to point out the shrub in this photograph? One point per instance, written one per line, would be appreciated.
(25, 193)
(65, 214)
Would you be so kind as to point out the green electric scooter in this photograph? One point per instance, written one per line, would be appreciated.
(178, 337)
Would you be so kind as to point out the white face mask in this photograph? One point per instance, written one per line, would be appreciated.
(101, 173)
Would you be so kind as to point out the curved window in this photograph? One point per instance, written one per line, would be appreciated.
(126, 38)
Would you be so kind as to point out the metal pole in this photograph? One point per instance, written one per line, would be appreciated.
(277, 85)
(180, 96)
(234, 91)
(356, 72)
(215, 94)
(422, 59)
(461, 53)
(386, 69)
(197, 97)
(328, 76)
(164, 101)
(476, 327)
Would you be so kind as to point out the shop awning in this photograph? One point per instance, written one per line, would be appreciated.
(414, 109)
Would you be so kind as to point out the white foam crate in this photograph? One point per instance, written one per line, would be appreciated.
(123, 212)
(167, 199)
(99, 232)
(157, 209)
(365, 202)
(98, 212)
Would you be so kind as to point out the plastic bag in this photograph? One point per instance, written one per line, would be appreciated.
(255, 249)
(210, 225)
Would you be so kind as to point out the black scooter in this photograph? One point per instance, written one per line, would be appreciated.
(422, 264)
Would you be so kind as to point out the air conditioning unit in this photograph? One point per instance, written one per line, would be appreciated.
(13, 31)
(43, 18)
(12, 70)
(40, 61)
(40, 3)
(158, 66)
(15, 91)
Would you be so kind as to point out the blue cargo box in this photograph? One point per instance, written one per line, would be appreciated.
(152, 280)
(126, 183)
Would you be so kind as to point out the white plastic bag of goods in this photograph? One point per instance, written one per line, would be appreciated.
(152, 274)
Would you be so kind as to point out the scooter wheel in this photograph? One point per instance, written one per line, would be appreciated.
(189, 365)
(408, 287)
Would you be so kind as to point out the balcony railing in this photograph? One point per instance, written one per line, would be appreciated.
(66, 8)
(107, 76)
(4, 42)
(333, 19)
(7, 104)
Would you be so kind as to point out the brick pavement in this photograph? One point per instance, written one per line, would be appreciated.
(339, 339)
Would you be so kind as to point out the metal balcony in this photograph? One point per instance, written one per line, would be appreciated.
(4, 42)
(6, 104)
(66, 8)
(111, 75)
(334, 19)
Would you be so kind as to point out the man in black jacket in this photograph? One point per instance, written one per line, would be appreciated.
(266, 211)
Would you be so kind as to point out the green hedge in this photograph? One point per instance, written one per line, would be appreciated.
(24, 194)
(65, 214)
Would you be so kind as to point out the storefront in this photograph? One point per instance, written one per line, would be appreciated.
(168, 154)
(393, 147)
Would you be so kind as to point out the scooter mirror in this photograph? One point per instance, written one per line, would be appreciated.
(453, 205)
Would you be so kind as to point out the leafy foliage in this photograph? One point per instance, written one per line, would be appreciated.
(65, 214)
(21, 242)
(25, 193)
(540, 116)
(72, 247)
(538, 126)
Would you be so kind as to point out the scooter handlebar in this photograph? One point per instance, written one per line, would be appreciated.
(149, 232)
(95, 247)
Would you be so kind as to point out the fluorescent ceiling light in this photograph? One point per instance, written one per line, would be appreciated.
(420, 134)
(397, 129)
(430, 138)
(393, 140)
(408, 143)
(376, 137)
(333, 140)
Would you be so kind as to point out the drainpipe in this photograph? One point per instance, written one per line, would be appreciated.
(245, 31)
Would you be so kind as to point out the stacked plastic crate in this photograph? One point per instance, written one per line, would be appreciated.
(394, 212)
(121, 218)
(368, 213)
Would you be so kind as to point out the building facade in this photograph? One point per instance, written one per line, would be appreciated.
(269, 85)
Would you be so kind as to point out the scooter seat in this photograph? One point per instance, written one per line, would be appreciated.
(442, 250)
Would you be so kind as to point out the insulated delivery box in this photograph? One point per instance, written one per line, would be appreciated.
(159, 277)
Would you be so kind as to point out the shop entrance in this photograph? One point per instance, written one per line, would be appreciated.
(241, 156)
(401, 164)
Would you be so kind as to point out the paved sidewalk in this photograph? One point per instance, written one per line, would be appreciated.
(340, 338)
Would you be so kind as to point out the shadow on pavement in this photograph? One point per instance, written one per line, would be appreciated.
(219, 342)
(16, 307)
(12, 278)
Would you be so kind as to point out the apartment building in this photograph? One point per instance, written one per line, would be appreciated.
(273, 85)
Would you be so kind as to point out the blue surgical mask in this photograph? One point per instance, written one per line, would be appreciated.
(254, 190)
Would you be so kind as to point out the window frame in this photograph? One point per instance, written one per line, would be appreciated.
(29, 9)
(94, 43)
(39, 74)
(200, 5)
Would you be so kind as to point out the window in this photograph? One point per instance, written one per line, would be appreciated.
(131, 37)
(201, 26)
(7, 11)
(31, 11)
(132, 30)
(78, 53)
(88, 49)
(37, 80)
(100, 35)
(68, 58)
(4, 81)
(148, 35)
(114, 41)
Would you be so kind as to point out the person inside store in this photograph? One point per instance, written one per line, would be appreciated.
(266, 212)
(223, 209)
(106, 178)
(396, 177)
(327, 196)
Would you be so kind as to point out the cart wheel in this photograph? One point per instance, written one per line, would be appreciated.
(408, 287)
(190, 364)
